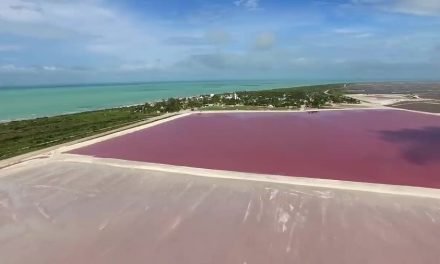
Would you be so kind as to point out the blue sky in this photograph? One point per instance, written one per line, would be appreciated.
(84, 41)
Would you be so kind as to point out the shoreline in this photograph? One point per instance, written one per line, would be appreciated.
(62, 148)
(60, 153)
(29, 136)
(46, 152)
(69, 113)
(276, 86)
(149, 97)
(19, 137)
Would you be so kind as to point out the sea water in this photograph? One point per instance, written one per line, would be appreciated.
(30, 102)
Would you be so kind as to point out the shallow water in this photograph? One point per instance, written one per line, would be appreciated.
(377, 146)
(31, 102)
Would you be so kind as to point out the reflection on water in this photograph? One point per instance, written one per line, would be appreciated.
(376, 146)
(420, 146)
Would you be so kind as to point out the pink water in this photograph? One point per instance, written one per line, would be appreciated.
(378, 146)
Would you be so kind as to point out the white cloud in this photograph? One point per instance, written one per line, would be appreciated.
(413, 7)
(8, 48)
(363, 35)
(98, 27)
(11, 68)
(140, 66)
(50, 68)
(353, 32)
(248, 4)
(20, 11)
(265, 41)
(99, 39)
(218, 37)
(418, 7)
(346, 31)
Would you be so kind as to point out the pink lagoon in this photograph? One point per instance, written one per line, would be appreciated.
(374, 146)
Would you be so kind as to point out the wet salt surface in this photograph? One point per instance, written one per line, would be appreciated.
(69, 212)
(377, 146)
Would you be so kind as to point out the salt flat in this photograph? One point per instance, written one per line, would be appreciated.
(58, 211)
(61, 207)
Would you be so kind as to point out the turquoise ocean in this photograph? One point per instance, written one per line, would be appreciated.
(18, 103)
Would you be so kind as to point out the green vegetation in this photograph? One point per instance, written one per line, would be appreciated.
(289, 98)
(19, 137)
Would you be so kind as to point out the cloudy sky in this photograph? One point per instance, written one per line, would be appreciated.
(83, 41)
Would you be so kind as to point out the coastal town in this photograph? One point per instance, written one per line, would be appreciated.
(290, 98)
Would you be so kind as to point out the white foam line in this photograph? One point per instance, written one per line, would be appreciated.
(290, 180)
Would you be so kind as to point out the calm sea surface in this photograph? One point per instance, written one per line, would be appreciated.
(31, 102)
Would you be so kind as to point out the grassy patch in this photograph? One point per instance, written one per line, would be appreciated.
(19, 137)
